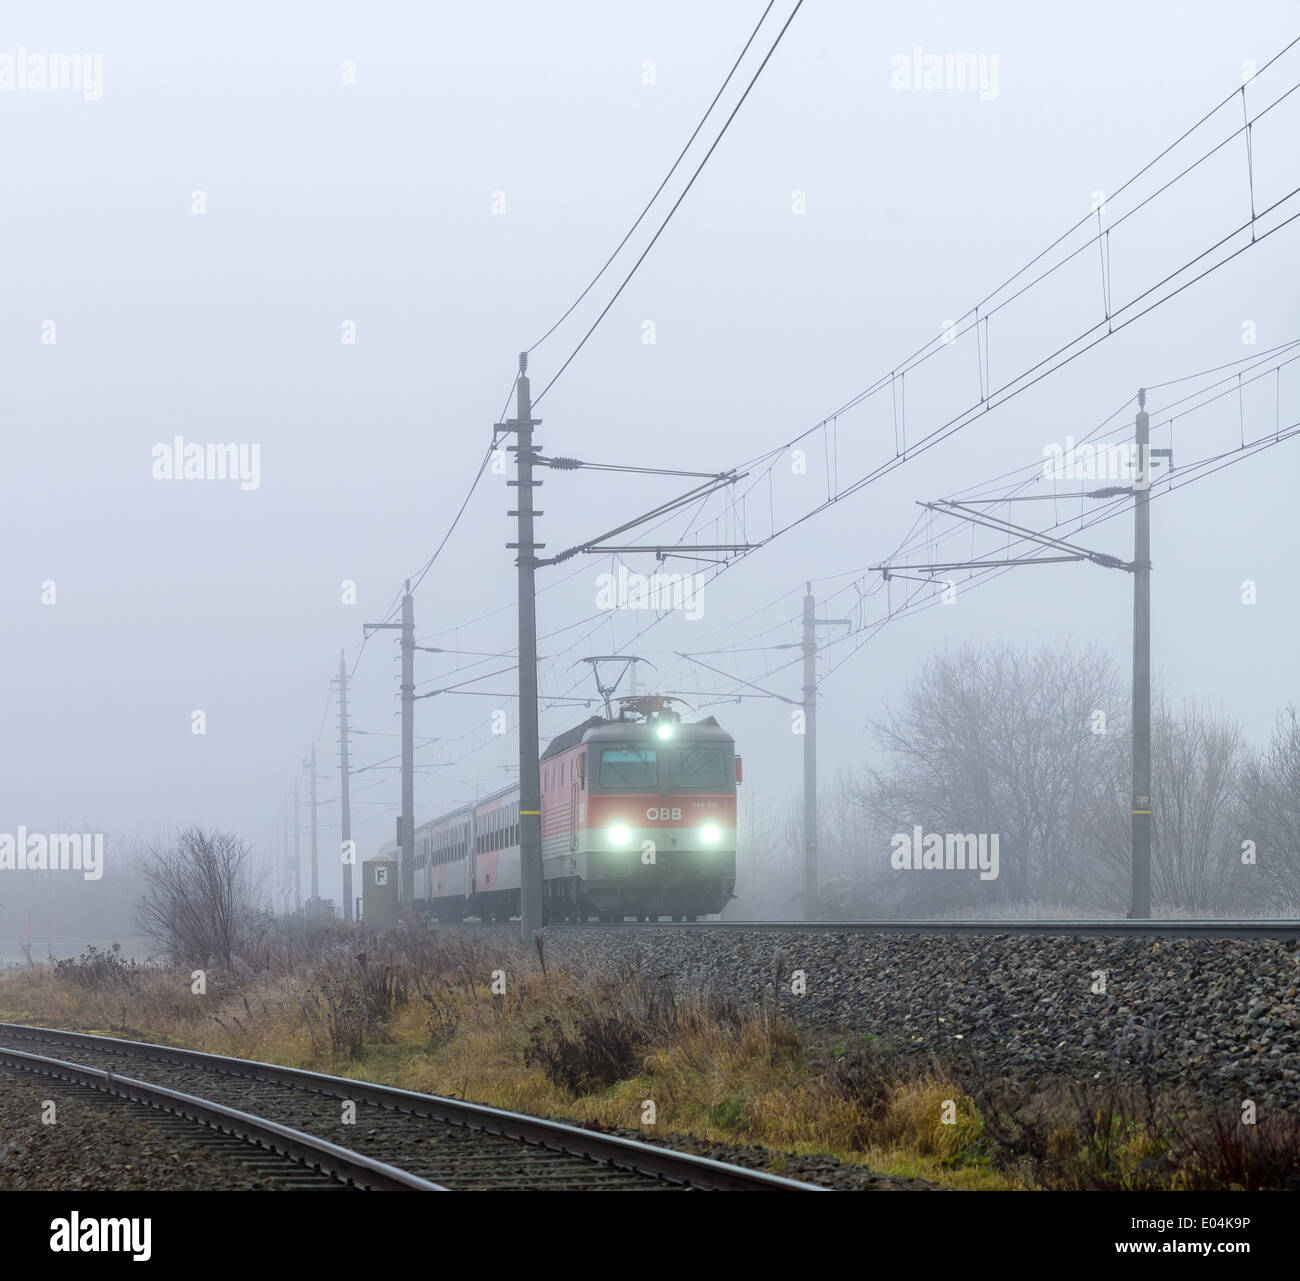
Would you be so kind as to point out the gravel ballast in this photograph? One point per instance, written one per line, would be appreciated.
(1220, 1017)
(105, 1145)
(1216, 1019)
(454, 1156)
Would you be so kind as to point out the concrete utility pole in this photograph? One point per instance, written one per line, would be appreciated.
(1140, 820)
(408, 749)
(810, 625)
(297, 850)
(286, 845)
(406, 820)
(809, 756)
(288, 882)
(1140, 567)
(530, 783)
(311, 800)
(345, 796)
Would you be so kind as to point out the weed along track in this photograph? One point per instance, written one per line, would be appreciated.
(436, 1143)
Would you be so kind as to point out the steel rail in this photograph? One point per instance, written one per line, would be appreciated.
(607, 1149)
(318, 1153)
(1273, 928)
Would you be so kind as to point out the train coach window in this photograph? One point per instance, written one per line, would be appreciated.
(629, 767)
(697, 767)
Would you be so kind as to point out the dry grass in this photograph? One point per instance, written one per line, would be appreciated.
(495, 1024)
(1131, 1137)
(415, 1011)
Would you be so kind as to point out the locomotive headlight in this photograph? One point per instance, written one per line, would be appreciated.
(710, 833)
(665, 731)
(619, 834)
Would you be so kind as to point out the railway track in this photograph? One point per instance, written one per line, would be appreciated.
(395, 1138)
(1279, 928)
(290, 1158)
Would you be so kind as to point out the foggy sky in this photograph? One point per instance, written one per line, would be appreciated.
(372, 203)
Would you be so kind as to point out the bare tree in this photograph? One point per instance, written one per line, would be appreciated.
(1266, 826)
(1197, 757)
(854, 881)
(1006, 741)
(1035, 746)
(769, 877)
(198, 896)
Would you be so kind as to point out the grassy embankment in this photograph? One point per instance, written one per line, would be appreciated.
(420, 1012)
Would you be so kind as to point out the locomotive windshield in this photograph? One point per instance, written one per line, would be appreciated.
(629, 767)
(697, 767)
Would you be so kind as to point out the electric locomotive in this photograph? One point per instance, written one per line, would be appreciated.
(638, 819)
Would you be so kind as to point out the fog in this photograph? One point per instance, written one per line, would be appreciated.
(324, 232)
